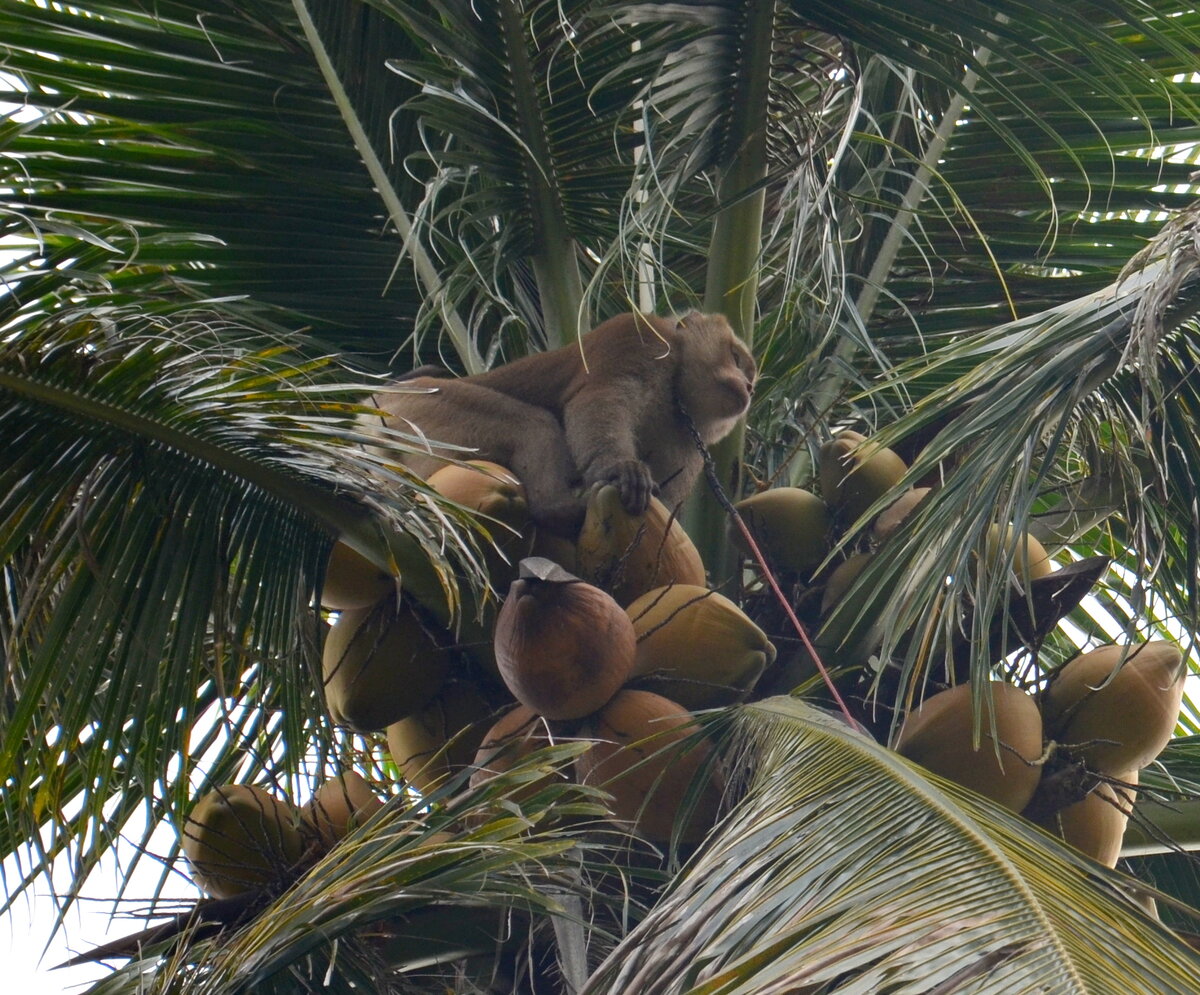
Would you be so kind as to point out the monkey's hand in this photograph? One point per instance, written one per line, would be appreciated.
(633, 482)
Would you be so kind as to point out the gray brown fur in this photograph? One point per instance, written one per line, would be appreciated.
(598, 411)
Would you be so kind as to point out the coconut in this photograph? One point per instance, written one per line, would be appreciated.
(563, 647)
(339, 805)
(789, 524)
(441, 739)
(893, 516)
(696, 646)
(240, 837)
(1096, 825)
(381, 664)
(842, 579)
(855, 473)
(645, 756)
(1123, 724)
(493, 491)
(1029, 558)
(628, 555)
(353, 581)
(938, 736)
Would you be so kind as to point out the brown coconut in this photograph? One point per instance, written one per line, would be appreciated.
(493, 491)
(1135, 712)
(381, 664)
(628, 555)
(339, 805)
(563, 647)
(938, 736)
(893, 516)
(789, 524)
(240, 837)
(697, 647)
(441, 739)
(856, 472)
(643, 755)
(1097, 824)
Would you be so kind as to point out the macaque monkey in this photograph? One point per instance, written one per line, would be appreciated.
(602, 410)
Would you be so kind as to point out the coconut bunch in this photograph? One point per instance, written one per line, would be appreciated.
(1107, 713)
(387, 666)
(241, 838)
(1069, 759)
(569, 653)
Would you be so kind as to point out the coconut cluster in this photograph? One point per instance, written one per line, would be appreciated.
(613, 637)
(1069, 758)
(618, 656)
(240, 838)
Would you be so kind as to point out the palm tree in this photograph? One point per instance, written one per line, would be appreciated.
(967, 229)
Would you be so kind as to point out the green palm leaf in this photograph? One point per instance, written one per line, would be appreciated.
(846, 870)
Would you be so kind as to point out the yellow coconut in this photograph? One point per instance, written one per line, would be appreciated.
(841, 580)
(493, 491)
(441, 739)
(628, 555)
(855, 472)
(893, 516)
(563, 647)
(789, 524)
(938, 736)
(1029, 559)
(239, 837)
(1124, 724)
(697, 647)
(339, 805)
(643, 754)
(1096, 825)
(353, 581)
(381, 664)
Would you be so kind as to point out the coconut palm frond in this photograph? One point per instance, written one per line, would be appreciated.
(171, 486)
(513, 128)
(215, 119)
(1025, 421)
(845, 869)
(427, 882)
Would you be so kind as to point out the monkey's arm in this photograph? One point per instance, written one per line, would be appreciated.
(601, 423)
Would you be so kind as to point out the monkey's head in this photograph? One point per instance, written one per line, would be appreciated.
(716, 374)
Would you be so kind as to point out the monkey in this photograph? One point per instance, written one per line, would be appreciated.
(599, 411)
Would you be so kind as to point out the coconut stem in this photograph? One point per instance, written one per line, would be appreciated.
(710, 472)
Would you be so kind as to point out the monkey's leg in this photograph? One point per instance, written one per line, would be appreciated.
(522, 437)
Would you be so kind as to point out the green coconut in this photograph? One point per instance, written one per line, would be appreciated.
(1120, 724)
(441, 739)
(628, 555)
(893, 516)
(381, 664)
(340, 805)
(493, 491)
(645, 754)
(842, 579)
(697, 647)
(1029, 557)
(240, 837)
(1096, 825)
(790, 525)
(938, 736)
(856, 472)
(353, 581)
